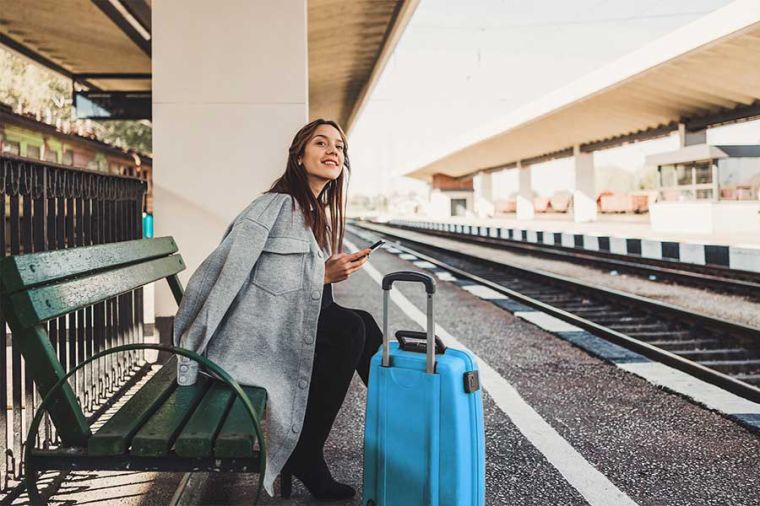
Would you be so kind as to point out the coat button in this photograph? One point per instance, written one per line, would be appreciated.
(316, 294)
(303, 383)
(308, 339)
(295, 428)
(320, 254)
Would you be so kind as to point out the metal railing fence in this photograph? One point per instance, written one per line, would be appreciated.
(49, 207)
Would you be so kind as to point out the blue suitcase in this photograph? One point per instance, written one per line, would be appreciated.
(423, 438)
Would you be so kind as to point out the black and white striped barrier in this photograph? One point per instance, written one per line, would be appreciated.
(744, 257)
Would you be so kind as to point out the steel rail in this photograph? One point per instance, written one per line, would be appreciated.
(713, 276)
(691, 367)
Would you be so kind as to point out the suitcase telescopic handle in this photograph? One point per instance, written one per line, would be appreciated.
(429, 282)
(414, 276)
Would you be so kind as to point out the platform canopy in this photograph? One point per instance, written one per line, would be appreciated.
(106, 44)
(703, 74)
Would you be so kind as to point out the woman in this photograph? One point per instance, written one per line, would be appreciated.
(261, 306)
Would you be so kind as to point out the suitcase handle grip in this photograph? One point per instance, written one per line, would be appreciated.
(417, 277)
(402, 335)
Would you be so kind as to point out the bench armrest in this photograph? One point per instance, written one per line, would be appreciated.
(29, 472)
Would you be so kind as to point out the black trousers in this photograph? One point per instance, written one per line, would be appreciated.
(346, 340)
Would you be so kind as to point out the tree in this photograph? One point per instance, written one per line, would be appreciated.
(31, 89)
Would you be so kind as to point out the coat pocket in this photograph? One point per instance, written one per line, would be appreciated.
(279, 269)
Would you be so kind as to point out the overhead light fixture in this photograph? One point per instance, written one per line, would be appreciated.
(130, 19)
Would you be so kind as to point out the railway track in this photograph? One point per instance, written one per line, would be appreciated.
(713, 277)
(717, 351)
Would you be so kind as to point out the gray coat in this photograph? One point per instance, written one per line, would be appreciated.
(252, 306)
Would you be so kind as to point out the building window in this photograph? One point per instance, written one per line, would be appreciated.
(11, 147)
(33, 152)
(458, 207)
(68, 157)
(739, 178)
(687, 181)
(51, 156)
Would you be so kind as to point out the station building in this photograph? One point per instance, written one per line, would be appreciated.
(698, 77)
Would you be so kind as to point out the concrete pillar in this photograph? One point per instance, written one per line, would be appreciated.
(525, 209)
(230, 89)
(483, 192)
(584, 195)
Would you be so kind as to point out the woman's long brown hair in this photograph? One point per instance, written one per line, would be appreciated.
(295, 182)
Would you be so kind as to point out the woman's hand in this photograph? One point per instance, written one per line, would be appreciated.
(341, 265)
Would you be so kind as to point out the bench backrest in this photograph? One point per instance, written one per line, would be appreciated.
(41, 286)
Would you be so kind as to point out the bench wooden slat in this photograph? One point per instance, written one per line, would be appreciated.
(197, 437)
(157, 436)
(114, 436)
(22, 271)
(237, 435)
(46, 302)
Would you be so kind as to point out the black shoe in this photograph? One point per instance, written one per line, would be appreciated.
(320, 483)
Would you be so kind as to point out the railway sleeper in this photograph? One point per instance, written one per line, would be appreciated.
(611, 316)
(733, 367)
(587, 308)
(647, 336)
(625, 327)
(543, 294)
(672, 344)
(752, 379)
(558, 298)
(714, 354)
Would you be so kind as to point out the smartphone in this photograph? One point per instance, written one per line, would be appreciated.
(374, 247)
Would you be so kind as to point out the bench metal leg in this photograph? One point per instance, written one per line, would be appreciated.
(286, 485)
(30, 482)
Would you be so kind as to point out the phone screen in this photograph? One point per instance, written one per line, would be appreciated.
(376, 245)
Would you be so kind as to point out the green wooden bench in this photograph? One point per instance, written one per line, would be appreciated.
(210, 426)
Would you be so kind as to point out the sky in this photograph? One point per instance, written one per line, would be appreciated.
(461, 64)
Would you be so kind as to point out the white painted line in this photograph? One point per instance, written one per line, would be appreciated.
(445, 276)
(579, 473)
(391, 249)
(704, 393)
(546, 321)
(484, 292)
(424, 264)
(407, 256)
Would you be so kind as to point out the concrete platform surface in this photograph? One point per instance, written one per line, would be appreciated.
(562, 427)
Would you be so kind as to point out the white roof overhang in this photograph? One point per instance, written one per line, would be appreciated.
(695, 153)
(704, 73)
(349, 45)
(106, 45)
